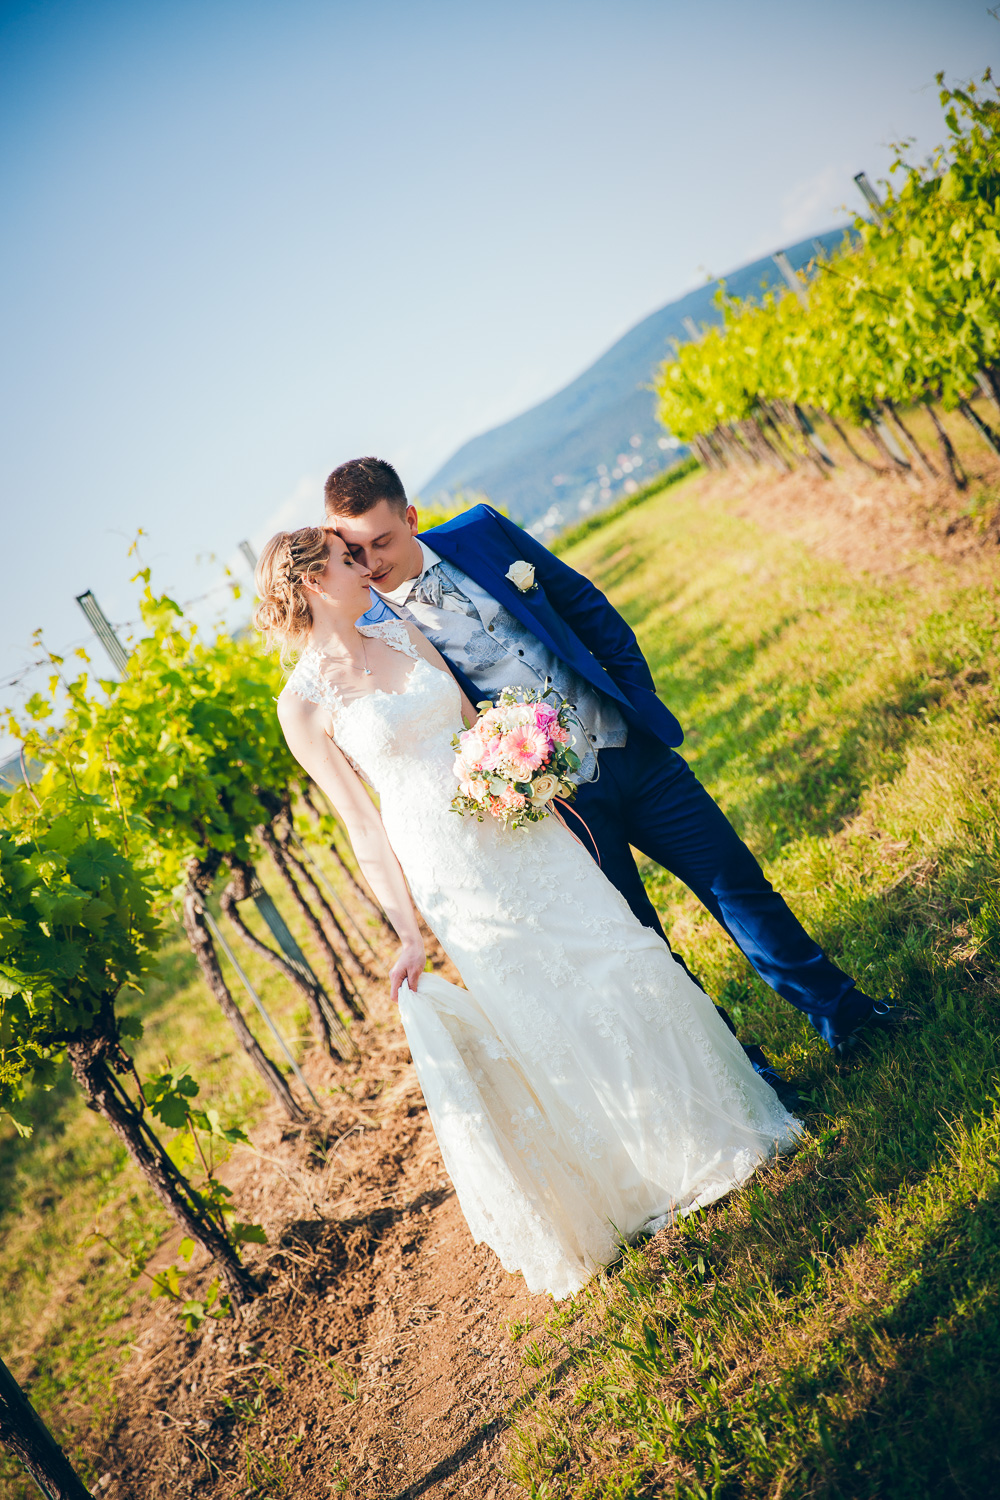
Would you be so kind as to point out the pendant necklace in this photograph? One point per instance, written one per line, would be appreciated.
(366, 669)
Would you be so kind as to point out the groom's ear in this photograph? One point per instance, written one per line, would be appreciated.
(412, 519)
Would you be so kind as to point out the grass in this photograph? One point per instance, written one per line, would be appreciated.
(833, 1329)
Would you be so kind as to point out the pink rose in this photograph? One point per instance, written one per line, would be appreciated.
(470, 748)
(491, 753)
(545, 715)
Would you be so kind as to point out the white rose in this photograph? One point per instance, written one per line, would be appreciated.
(544, 788)
(522, 576)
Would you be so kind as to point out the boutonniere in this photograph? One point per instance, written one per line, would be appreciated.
(522, 576)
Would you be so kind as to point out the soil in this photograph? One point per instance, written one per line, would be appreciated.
(378, 1361)
(886, 526)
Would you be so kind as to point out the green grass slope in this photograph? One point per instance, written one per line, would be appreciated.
(833, 1330)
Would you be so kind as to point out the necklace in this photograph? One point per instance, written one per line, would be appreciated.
(366, 669)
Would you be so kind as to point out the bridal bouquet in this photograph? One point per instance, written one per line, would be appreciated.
(515, 758)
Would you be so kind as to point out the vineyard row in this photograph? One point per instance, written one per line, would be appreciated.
(905, 314)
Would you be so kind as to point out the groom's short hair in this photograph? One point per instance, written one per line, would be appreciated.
(355, 487)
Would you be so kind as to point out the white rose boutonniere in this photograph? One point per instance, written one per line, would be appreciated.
(522, 576)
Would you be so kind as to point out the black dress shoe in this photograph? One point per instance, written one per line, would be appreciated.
(884, 1018)
(786, 1092)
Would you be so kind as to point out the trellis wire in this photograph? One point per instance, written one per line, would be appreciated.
(286, 942)
(213, 928)
(332, 893)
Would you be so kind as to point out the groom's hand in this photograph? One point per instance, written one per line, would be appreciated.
(409, 966)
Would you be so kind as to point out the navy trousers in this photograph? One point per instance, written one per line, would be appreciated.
(647, 796)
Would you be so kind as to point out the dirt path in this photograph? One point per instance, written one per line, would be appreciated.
(378, 1362)
(888, 527)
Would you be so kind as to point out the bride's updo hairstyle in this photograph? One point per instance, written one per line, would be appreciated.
(283, 615)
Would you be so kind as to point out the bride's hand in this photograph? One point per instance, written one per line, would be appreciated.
(409, 966)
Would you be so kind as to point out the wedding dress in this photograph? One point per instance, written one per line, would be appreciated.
(581, 1087)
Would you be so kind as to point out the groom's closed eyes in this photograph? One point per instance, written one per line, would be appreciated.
(376, 545)
(379, 541)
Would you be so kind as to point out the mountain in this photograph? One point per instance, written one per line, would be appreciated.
(598, 437)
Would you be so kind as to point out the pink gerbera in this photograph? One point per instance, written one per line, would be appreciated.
(526, 748)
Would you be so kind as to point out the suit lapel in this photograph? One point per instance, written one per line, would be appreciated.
(532, 609)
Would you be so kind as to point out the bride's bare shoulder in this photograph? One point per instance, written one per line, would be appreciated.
(295, 707)
(306, 694)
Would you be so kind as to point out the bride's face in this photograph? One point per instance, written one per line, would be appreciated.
(344, 580)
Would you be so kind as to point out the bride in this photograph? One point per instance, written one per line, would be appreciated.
(582, 1088)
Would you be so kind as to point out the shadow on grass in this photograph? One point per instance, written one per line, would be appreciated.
(816, 779)
(894, 1093)
(929, 1426)
(825, 763)
(932, 1427)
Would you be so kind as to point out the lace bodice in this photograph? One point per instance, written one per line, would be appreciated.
(582, 1085)
(389, 737)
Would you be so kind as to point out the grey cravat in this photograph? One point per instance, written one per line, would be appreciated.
(437, 589)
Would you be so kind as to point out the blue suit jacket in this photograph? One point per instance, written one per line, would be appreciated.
(565, 611)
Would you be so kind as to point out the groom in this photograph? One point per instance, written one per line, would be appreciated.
(502, 610)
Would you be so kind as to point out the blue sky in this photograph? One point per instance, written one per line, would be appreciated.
(246, 241)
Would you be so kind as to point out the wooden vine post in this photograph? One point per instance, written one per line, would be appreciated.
(326, 1022)
(284, 863)
(200, 873)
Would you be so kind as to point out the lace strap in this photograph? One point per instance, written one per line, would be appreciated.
(394, 633)
(308, 681)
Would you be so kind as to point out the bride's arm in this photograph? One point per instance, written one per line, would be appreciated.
(315, 751)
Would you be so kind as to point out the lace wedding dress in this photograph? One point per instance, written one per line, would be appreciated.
(581, 1087)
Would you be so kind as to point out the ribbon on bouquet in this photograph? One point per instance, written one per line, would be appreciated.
(572, 810)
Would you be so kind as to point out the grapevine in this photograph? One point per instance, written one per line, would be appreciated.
(191, 745)
(906, 313)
